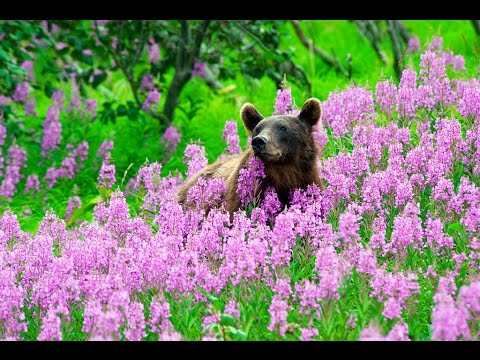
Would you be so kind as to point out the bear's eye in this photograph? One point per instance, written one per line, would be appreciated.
(283, 128)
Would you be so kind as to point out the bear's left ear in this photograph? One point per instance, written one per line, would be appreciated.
(311, 111)
(250, 116)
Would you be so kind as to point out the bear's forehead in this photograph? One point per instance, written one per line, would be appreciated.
(278, 119)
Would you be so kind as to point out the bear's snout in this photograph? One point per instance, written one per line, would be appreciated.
(258, 144)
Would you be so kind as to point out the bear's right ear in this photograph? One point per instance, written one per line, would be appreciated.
(250, 116)
(311, 111)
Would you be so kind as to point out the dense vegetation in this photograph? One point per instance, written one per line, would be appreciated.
(93, 244)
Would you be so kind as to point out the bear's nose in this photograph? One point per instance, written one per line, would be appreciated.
(258, 144)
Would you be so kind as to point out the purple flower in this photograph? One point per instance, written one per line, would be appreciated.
(28, 66)
(32, 184)
(61, 45)
(154, 54)
(135, 321)
(147, 82)
(74, 202)
(51, 176)
(271, 205)
(4, 100)
(106, 177)
(386, 96)
(230, 135)
(91, 107)
(58, 97)
(341, 111)
(152, 99)
(283, 103)
(52, 131)
(170, 139)
(248, 180)
(308, 334)
(458, 63)
(278, 315)
(207, 192)
(30, 107)
(436, 44)
(393, 289)
(21, 92)
(199, 69)
(105, 148)
(195, 158)
(16, 160)
(406, 97)
(413, 45)
(449, 320)
(50, 327)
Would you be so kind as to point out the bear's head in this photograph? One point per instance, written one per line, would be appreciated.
(282, 139)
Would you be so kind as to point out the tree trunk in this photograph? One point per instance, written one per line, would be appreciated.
(179, 81)
(476, 25)
(393, 31)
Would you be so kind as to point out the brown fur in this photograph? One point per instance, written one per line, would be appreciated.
(290, 168)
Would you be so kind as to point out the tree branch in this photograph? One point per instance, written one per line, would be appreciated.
(405, 34)
(476, 25)
(199, 38)
(128, 74)
(369, 31)
(393, 32)
(327, 58)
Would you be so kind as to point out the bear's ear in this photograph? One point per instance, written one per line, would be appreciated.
(250, 116)
(311, 111)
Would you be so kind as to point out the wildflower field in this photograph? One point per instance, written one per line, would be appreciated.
(95, 246)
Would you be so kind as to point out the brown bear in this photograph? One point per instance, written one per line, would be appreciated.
(285, 145)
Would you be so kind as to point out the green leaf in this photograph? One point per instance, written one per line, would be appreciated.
(227, 320)
(454, 227)
(237, 334)
(211, 298)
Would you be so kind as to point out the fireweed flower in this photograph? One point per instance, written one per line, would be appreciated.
(74, 202)
(32, 184)
(91, 107)
(283, 102)
(230, 135)
(105, 148)
(21, 92)
(308, 334)
(386, 96)
(248, 180)
(341, 112)
(28, 66)
(52, 131)
(278, 315)
(406, 99)
(58, 97)
(170, 139)
(154, 54)
(152, 100)
(106, 176)
(199, 69)
(413, 45)
(436, 43)
(449, 320)
(16, 160)
(147, 82)
(195, 158)
(5, 100)
(393, 289)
